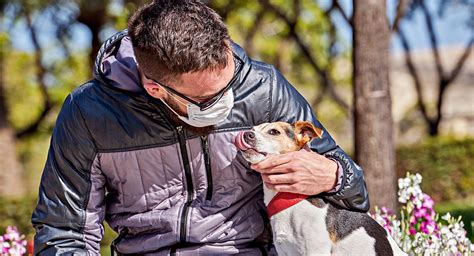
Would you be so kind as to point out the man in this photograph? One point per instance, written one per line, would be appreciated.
(147, 145)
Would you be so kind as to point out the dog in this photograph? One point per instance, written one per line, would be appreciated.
(305, 225)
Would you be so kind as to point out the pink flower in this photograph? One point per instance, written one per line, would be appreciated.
(428, 217)
(386, 210)
(424, 227)
(388, 228)
(427, 201)
(421, 213)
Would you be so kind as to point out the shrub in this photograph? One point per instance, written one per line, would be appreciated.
(445, 164)
(17, 212)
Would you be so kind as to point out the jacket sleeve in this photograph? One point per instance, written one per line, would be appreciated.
(289, 106)
(70, 211)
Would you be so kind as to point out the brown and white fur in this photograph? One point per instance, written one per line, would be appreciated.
(312, 226)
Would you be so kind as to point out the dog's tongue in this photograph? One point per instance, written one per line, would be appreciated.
(240, 142)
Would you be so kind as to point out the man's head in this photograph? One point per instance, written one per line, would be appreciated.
(183, 49)
(173, 37)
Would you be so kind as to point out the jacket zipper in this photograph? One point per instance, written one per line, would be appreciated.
(189, 184)
(207, 162)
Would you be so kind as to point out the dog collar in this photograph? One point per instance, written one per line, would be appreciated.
(283, 200)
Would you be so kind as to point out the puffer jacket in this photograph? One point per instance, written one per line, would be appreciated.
(115, 156)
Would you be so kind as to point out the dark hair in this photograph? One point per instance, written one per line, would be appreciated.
(171, 37)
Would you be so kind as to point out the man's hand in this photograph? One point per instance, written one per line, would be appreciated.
(302, 172)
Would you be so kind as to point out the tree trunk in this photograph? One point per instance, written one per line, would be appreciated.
(93, 14)
(11, 180)
(372, 103)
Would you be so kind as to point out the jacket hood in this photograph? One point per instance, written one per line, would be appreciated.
(116, 64)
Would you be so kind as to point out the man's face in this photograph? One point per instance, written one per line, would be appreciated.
(198, 86)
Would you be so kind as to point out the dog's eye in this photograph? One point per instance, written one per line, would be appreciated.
(273, 132)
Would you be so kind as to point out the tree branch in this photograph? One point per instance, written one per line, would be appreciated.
(40, 77)
(62, 29)
(401, 9)
(445, 83)
(348, 19)
(459, 65)
(323, 74)
(319, 98)
(433, 40)
(93, 14)
(414, 73)
(253, 30)
(296, 10)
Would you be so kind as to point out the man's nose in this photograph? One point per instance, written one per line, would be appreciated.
(249, 137)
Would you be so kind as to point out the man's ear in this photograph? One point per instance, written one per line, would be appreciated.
(151, 87)
(305, 132)
(154, 90)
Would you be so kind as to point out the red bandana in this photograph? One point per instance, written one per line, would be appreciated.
(283, 200)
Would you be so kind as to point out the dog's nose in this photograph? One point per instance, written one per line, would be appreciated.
(249, 137)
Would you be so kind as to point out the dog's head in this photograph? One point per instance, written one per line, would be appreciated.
(275, 138)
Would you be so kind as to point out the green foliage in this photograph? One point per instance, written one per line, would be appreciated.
(272, 43)
(25, 103)
(446, 166)
(17, 213)
(464, 208)
(23, 95)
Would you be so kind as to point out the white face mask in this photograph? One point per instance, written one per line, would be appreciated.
(211, 116)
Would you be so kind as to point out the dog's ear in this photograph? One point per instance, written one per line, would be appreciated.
(305, 132)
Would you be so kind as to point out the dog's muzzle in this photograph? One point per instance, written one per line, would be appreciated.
(240, 142)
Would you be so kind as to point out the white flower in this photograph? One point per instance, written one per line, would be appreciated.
(403, 183)
(403, 196)
(446, 217)
(444, 239)
(417, 179)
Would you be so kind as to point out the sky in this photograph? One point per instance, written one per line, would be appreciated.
(452, 28)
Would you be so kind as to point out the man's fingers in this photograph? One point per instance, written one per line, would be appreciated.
(272, 161)
(284, 168)
(274, 179)
(283, 188)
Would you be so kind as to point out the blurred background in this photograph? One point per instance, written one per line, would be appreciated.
(48, 49)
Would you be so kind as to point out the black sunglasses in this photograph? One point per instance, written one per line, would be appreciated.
(213, 99)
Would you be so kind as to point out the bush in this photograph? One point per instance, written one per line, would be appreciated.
(446, 165)
(462, 208)
(17, 212)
